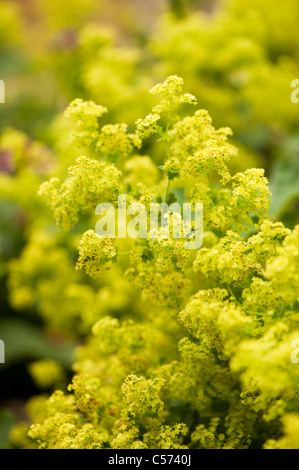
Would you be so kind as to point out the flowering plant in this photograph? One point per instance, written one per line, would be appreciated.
(204, 360)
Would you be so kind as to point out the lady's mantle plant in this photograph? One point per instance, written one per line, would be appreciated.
(206, 360)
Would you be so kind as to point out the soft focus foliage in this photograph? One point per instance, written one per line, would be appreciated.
(174, 348)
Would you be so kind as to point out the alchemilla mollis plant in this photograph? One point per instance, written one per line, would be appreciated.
(202, 357)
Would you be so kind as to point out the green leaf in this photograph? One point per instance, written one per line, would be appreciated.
(179, 195)
(7, 420)
(24, 341)
(284, 186)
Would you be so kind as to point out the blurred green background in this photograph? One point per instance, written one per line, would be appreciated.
(237, 56)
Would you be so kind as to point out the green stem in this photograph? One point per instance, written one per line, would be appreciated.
(109, 417)
(166, 190)
(168, 157)
(166, 142)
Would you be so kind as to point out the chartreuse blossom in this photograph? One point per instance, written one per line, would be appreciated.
(89, 181)
(201, 358)
(95, 252)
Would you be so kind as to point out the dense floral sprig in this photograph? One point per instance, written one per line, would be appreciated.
(207, 362)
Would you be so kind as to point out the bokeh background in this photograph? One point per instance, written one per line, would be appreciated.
(238, 57)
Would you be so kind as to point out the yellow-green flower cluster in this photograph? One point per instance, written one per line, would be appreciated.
(189, 348)
(114, 142)
(141, 397)
(232, 260)
(283, 270)
(95, 252)
(90, 182)
(172, 97)
(85, 115)
(200, 147)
